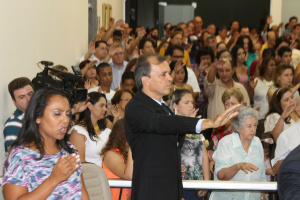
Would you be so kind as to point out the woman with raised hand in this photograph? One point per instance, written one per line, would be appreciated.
(42, 163)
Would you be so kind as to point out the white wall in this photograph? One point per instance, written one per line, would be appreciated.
(35, 30)
(290, 8)
(118, 8)
(282, 10)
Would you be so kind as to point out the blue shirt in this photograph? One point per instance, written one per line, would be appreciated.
(230, 152)
(117, 75)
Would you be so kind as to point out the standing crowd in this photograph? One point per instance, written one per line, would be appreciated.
(192, 73)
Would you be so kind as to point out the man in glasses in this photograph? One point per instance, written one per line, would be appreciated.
(118, 65)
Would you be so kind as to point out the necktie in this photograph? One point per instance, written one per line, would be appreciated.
(166, 108)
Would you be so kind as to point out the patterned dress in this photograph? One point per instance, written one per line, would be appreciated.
(22, 169)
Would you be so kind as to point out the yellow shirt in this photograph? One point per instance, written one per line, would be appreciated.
(186, 56)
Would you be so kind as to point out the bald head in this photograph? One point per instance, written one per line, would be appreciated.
(198, 23)
(271, 38)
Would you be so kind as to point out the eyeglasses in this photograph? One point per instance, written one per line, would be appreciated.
(119, 53)
(177, 57)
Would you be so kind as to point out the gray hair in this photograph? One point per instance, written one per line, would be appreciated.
(244, 113)
(143, 67)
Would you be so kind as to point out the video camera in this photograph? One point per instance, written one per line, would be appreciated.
(67, 83)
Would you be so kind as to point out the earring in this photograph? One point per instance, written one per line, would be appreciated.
(175, 111)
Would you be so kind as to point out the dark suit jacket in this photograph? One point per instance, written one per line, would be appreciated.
(152, 135)
(289, 176)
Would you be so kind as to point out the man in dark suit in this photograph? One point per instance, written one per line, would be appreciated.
(154, 133)
(289, 176)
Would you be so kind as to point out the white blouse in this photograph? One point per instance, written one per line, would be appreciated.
(93, 148)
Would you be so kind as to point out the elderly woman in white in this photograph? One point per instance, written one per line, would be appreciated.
(240, 156)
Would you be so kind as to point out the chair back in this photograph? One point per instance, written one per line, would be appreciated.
(96, 182)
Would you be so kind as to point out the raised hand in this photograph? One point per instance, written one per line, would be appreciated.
(87, 84)
(112, 50)
(118, 24)
(115, 111)
(203, 65)
(218, 64)
(223, 118)
(65, 167)
(248, 167)
(141, 32)
(269, 19)
(287, 111)
(252, 82)
(91, 48)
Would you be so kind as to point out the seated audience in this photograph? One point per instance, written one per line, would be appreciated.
(89, 75)
(120, 100)
(238, 58)
(239, 156)
(118, 66)
(283, 77)
(258, 88)
(282, 114)
(180, 77)
(214, 88)
(20, 90)
(175, 52)
(42, 164)
(117, 159)
(222, 36)
(130, 65)
(96, 51)
(194, 158)
(221, 46)
(246, 42)
(204, 58)
(90, 134)
(128, 81)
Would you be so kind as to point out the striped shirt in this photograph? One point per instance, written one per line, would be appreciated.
(12, 127)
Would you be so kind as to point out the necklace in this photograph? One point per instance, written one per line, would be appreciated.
(96, 128)
(47, 151)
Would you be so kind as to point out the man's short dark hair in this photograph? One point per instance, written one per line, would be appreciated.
(293, 17)
(102, 65)
(210, 37)
(99, 42)
(17, 84)
(268, 52)
(143, 67)
(283, 49)
(221, 28)
(127, 75)
(280, 40)
(203, 51)
(117, 33)
(171, 48)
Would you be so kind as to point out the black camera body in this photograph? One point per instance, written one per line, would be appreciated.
(67, 84)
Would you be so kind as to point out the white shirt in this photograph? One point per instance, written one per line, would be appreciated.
(192, 80)
(92, 148)
(288, 140)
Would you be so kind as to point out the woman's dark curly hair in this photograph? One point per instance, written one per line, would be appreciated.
(29, 133)
(117, 139)
(85, 116)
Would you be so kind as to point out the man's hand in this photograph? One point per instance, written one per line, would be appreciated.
(222, 119)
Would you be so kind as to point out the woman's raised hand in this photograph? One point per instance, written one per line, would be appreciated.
(65, 167)
(287, 111)
(248, 167)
